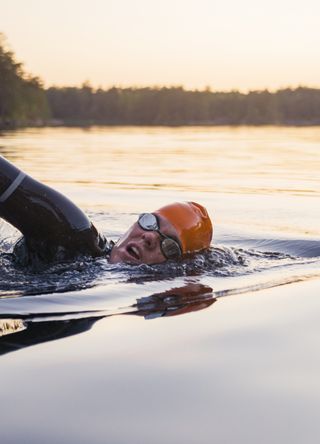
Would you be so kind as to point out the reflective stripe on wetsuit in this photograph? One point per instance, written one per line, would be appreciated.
(54, 228)
(12, 187)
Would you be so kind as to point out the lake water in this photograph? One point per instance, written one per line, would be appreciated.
(218, 348)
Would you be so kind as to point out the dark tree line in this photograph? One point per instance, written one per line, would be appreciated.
(176, 106)
(22, 98)
(24, 101)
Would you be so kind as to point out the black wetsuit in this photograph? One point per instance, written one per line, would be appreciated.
(54, 229)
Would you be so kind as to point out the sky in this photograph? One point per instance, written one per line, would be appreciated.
(221, 44)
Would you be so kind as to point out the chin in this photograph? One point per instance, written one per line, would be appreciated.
(115, 257)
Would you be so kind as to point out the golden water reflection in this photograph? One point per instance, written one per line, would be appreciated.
(224, 159)
(264, 178)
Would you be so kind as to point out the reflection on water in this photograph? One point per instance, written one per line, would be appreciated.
(19, 333)
(260, 186)
(226, 159)
(248, 178)
(261, 178)
(238, 371)
(10, 326)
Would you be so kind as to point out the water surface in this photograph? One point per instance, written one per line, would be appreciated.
(228, 336)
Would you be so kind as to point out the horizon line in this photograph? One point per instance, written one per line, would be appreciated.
(207, 88)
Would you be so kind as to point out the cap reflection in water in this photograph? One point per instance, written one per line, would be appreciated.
(18, 333)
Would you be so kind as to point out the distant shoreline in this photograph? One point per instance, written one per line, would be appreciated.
(4, 128)
(25, 102)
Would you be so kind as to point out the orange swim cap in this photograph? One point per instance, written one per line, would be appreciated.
(192, 224)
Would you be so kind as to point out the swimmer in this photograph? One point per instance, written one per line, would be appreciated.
(54, 229)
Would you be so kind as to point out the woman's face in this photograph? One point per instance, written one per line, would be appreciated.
(138, 246)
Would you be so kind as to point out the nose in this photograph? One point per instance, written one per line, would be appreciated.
(150, 239)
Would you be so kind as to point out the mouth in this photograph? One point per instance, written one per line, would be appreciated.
(133, 251)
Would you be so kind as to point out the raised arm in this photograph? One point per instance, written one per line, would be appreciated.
(45, 217)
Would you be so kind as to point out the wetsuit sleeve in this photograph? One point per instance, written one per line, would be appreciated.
(48, 220)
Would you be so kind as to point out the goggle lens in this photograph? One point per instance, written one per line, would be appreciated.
(148, 221)
(169, 247)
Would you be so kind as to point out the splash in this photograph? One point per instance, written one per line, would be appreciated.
(219, 261)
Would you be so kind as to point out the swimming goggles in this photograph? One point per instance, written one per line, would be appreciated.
(169, 247)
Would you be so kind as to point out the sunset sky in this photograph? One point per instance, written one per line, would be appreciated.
(228, 44)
